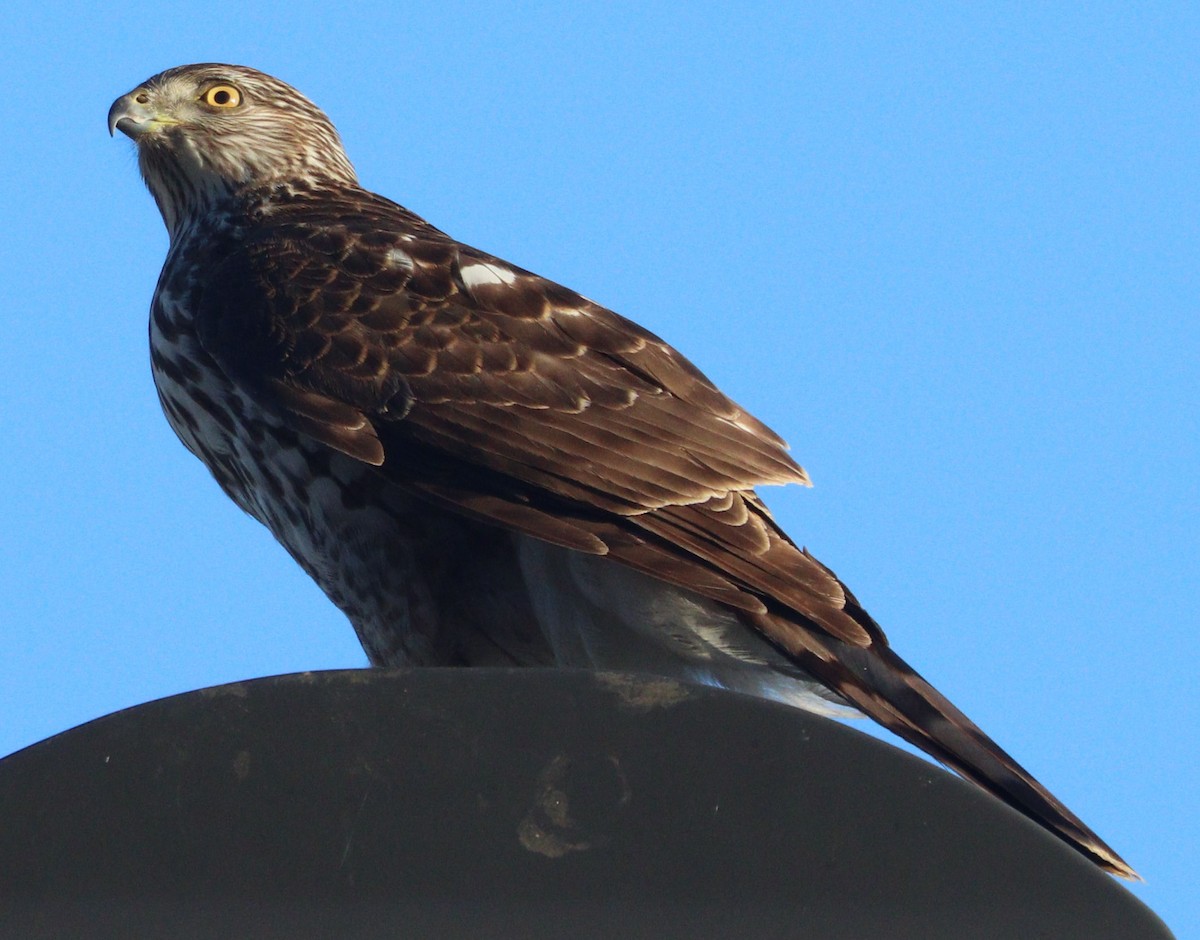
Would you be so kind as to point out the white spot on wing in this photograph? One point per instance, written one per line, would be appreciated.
(400, 259)
(480, 273)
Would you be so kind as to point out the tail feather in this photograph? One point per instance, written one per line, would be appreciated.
(882, 685)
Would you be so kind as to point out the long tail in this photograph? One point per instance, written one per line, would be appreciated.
(882, 685)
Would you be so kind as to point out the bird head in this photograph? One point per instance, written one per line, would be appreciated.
(206, 132)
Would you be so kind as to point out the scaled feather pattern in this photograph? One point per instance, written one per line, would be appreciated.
(478, 465)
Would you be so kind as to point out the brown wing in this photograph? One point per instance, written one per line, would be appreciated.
(505, 396)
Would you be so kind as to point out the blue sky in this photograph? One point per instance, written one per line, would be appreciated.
(949, 251)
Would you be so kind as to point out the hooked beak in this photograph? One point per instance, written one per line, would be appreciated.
(133, 116)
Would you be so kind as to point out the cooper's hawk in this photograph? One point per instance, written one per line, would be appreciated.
(477, 465)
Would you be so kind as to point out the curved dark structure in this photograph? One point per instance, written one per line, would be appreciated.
(517, 803)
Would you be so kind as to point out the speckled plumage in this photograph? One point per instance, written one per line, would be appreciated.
(476, 464)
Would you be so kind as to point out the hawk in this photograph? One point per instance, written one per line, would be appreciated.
(480, 466)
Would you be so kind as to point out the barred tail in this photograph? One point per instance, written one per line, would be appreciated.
(882, 685)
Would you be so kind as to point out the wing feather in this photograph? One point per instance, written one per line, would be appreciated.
(495, 393)
(539, 409)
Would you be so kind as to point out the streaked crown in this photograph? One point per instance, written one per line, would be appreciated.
(205, 132)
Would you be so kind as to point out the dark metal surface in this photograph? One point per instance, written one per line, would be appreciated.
(531, 803)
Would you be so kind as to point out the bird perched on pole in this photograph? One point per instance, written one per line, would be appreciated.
(477, 465)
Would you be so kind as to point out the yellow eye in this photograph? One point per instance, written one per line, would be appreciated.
(222, 96)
